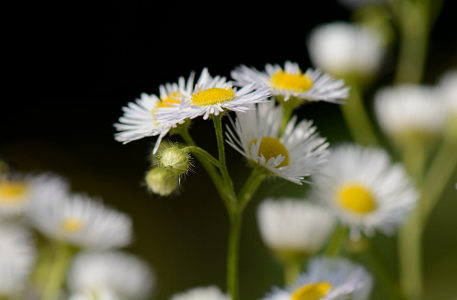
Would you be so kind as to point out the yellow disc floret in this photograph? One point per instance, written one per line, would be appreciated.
(286, 81)
(356, 198)
(270, 148)
(213, 96)
(13, 192)
(71, 225)
(311, 291)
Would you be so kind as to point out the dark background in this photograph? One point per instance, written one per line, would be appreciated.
(79, 64)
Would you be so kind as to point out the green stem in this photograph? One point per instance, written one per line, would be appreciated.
(410, 234)
(233, 256)
(210, 169)
(217, 120)
(414, 22)
(437, 177)
(58, 272)
(203, 153)
(250, 187)
(291, 271)
(336, 242)
(357, 118)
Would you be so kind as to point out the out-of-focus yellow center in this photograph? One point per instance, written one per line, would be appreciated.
(213, 96)
(13, 192)
(287, 81)
(71, 225)
(172, 98)
(311, 291)
(272, 147)
(356, 198)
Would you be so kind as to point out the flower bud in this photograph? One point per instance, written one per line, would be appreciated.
(161, 181)
(174, 160)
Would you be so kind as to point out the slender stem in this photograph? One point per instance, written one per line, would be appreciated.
(414, 22)
(58, 272)
(357, 118)
(212, 172)
(410, 254)
(438, 175)
(291, 271)
(410, 234)
(336, 242)
(250, 187)
(202, 152)
(233, 256)
(288, 109)
(217, 120)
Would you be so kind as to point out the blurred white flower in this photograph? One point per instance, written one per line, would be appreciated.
(365, 189)
(328, 279)
(17, 190)
(292, 226)
(111, 273)
(99, 295)
(17, 256)
(201, 293)
(345, 49)
(298, 153)
(289, 81)
(409, 113)
(447, 90)
(80, 220)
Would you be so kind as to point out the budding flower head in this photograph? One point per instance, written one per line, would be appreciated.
(161, 181)
(174, 159)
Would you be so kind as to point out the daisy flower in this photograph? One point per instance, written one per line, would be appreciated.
(299, 151)
(409, 113)
(17, 189)
(202, 293)
(328, 279)
(290, 81)
(79, 220)
(17, 256)
(212, 96)
(139, 119)
(344, 48)
(101, 295)
(294, 227)
(110, 273)
(365, 189)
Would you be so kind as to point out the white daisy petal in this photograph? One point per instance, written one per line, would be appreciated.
(295, 155)
(290, 81)
(17, 256)
(201, 293)
(110, 272)
(365, 190)
(140, 118)
(409, 108)
(328, 279)
(79, 220)
(292, 225)
(212, 96)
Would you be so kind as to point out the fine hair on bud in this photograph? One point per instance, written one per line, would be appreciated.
(174, 159)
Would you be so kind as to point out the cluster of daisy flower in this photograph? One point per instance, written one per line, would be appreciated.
(53, 238)
(355, 189)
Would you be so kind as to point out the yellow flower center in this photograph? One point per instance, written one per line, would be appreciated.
(356, 198)
(71, 225)
(287, 81)
(213, 96)
(13, 192)
(311, 291)
(272, 147)
(172, 98)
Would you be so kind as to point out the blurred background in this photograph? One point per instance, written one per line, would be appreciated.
(86, 62)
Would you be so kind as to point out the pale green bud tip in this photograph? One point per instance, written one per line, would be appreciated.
(161, 181)
(174, 160)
